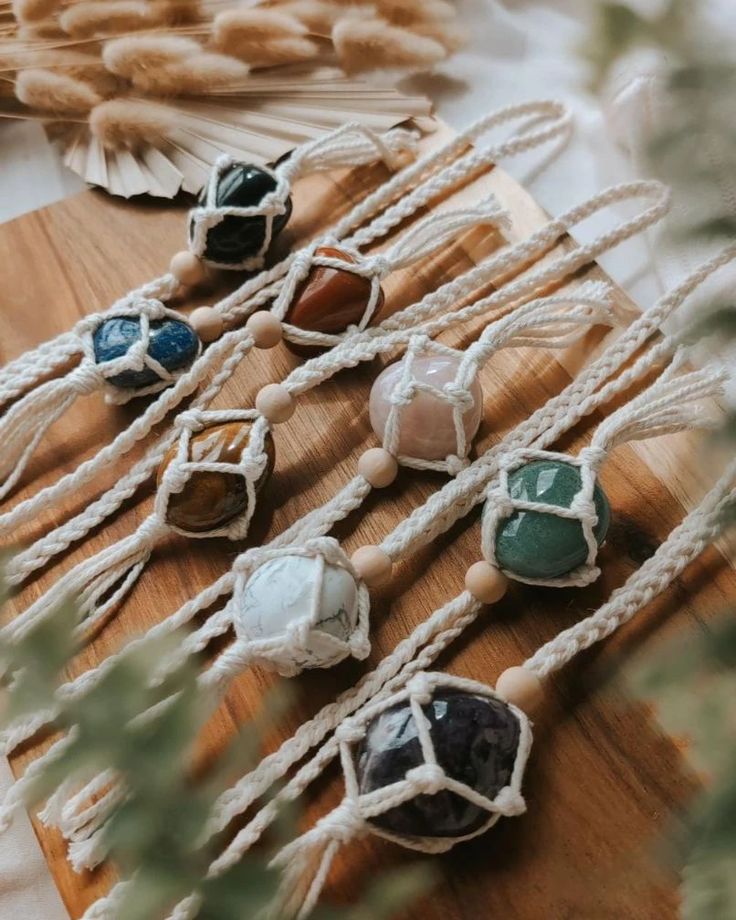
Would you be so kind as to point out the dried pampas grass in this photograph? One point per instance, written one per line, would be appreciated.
(369, 45)
(263, 37)
(144, 95)
(54, 92)
(125, 123)
(33, 10)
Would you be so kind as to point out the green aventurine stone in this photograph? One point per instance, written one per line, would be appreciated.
(534, 544)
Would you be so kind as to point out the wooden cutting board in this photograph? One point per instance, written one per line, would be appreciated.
(603, 779)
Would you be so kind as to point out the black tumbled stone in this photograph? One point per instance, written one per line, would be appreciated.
(237, 238)
(174, 344)
(475, 739)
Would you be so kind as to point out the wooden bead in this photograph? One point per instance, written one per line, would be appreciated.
(275, 403)
(265, 329)
(521, 688)
(378, 467)
(207, 323)
(372, 564)
(485, 582)
(187, 268)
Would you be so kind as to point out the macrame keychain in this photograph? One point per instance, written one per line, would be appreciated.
(442, 759)
(327, 614)
(316, 279)
(102, 581)
(430, 638)
(138, 346)
(413, 773)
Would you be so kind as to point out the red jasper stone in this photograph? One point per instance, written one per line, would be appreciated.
(330, 299)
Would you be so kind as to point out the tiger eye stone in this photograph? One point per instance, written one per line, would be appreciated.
(475, 740)
(330, 299)
(210, 499)
(536, 544)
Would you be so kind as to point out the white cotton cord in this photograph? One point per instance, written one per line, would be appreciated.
(428, 316)
(233, 346)
(256, 291)
(667, 406)
(21, 374)
(657, 573)
(436, 178)
(22, 429)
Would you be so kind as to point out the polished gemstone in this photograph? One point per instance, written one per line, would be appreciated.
(282, 593)
(172, 343)
(212, 499)
(237, 238)
(536, 544)
(475, 741)
(426, 424)
(330, 299)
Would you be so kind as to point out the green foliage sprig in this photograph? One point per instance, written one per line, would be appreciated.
(145, 730)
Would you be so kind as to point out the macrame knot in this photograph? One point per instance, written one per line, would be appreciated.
(86, 379)
(343, 823)
(593, 456)
(583, 508)
(403, 394)
(509, 803)
(152, 530)
(458, 394)
(455, 464)
(429, 778)
(148, 306)
(500, 500)
(349, 732)
(378, 265)
(420, 688)
(191, 420)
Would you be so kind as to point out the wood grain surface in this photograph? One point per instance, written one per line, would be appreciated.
(603, 780)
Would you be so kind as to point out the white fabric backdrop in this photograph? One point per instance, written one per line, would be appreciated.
(519, 49)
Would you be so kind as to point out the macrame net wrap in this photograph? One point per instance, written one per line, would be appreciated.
(500, 505)
(302, 884)
(374, 268)
(136, 358)
(207, 216)
(351, 145)
(193, 457)
(456, 393)
(302, 644)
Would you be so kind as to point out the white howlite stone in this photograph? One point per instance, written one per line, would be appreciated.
(283, 593)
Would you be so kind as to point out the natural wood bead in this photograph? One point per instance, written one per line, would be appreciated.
(212, 499)
(265, 329)
(275, 403)
(485, 582)
(378, 467)
(187, 268)
(207, 323)
(521, 688)
(372, 564)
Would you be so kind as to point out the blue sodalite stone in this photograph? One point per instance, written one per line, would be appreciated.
(535, 544)
(475, 739)
(172, 343)
(237, 238)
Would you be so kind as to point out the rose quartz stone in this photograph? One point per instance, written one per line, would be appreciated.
(427, 430)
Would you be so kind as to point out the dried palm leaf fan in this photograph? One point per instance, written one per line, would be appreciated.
(144, 94)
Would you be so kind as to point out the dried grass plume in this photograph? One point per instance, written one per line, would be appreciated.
(126, 123)
(55, 92)
(369, 45)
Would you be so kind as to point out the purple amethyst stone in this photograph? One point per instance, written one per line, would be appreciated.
(475, 739)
